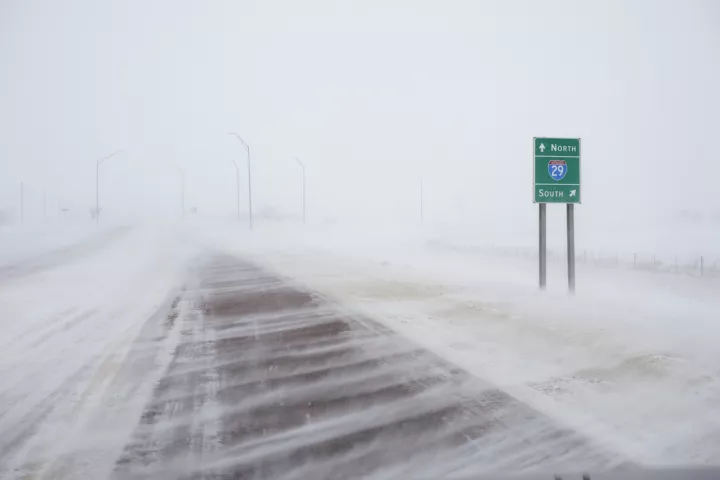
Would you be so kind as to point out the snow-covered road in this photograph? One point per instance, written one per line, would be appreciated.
(141, 353)
(66, 330)
(270, 381)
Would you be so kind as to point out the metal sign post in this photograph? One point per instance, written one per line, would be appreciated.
(571, 246)
(542, 247)
(556, 167)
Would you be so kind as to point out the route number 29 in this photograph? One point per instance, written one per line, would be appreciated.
(557, 169)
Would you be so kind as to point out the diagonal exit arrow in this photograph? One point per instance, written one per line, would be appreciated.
(542, 147)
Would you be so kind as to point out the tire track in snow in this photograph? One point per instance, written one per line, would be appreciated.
(17, 433)
(101, 420)
(31, 373)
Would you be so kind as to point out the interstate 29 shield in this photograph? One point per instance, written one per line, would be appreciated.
(557, 169)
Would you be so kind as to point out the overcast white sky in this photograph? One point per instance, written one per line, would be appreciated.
(371, 95)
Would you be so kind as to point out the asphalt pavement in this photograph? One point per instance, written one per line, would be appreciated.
(270, 380)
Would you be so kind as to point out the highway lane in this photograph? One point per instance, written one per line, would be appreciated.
(68, 337)
(269, 380)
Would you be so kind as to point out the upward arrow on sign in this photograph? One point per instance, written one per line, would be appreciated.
(542, 147)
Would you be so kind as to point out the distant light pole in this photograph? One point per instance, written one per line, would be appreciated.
(97, 183)
(302, 166)
(247, 148)
(182, 190)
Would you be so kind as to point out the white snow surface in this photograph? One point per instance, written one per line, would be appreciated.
(630, 360)
(66, 331)
(23, 243)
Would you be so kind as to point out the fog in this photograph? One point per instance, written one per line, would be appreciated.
(166, 334)
(372, 96)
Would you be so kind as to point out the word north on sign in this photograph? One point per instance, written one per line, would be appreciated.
(556, 162)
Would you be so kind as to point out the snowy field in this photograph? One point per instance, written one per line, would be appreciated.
(630, 362)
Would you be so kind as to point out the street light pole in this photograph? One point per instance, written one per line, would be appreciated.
(247, 148)
(302, 166)
(97, 183)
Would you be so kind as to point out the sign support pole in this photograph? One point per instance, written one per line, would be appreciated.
(542, 246)
(571, 246)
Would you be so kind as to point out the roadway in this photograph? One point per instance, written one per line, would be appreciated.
(141, 361)
(271, 381)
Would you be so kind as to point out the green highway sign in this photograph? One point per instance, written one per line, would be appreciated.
(556, 162)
